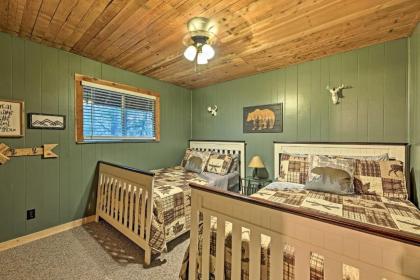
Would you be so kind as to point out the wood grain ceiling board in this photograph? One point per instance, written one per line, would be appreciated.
(146, 36)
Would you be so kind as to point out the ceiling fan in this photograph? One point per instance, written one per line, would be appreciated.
(199, 40)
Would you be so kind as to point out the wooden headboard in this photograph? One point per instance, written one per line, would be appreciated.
(223, 147)
(395, 151)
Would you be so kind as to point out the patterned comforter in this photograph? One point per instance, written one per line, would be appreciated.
(393, 214)
(172, 204)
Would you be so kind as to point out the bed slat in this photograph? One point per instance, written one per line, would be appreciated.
(122, 196)
(333, 269)
(220, 248)
(302, 259)
(276, 258)
(126, 202)
(236, 251)
(113, 188)
(142, 217)
(137, 211)
(255, 254)
(131, 211)
(108, 195)
(206, 247)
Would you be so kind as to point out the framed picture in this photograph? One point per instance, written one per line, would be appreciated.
(263, 119)
(11, 118)
(46, 121)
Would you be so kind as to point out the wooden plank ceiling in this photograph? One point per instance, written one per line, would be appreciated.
(145, 36)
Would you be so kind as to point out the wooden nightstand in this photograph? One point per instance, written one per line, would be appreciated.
(251, 185)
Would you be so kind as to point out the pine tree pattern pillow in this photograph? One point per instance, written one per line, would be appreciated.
(219, 163)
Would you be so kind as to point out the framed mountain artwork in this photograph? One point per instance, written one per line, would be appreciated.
(11, 118)
(46, 121)
(263, 118)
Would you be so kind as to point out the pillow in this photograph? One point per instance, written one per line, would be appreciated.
(331, 174)
(236, 161)
(197, 161)
(331, 180)
(219, 163)
(384, 178)
(380, 157)
(186, 156)
(345, 164)
(294, 168)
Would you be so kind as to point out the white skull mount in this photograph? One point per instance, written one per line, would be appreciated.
(212, 110)
(336, 93)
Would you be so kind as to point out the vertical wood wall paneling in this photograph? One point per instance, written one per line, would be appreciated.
(62, 190)
(6, 207)
(378, 93)
(64, 136)
(414, 106)
(33, 137)
(395, 80)
(18, 182)
(48, 214)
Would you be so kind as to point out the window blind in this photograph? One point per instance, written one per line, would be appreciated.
(113, 113)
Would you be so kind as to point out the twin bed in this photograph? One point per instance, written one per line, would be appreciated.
(283, 231)
(153, 208)
(287, 232)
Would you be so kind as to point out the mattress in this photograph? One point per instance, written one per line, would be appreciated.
(369, 210)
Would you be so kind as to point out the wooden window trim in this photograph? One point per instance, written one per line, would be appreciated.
(78, 78)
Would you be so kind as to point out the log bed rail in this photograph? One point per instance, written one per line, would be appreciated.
(373, 252)
(124, 200)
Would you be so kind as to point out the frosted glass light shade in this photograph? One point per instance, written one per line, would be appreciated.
(208, 51)
(190, 53)
(201, 58)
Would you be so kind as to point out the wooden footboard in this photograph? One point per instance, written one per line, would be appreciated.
(369, 255)
(125, 200)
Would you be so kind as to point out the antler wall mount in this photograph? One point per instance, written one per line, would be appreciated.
(45, 151)
(337, 93)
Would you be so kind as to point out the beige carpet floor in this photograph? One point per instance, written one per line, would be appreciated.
(91, 252)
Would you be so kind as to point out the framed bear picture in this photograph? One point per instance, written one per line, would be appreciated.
(263, 118)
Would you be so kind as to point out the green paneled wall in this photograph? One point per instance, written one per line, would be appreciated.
(414, 100)
(61, 189)
(373, 110)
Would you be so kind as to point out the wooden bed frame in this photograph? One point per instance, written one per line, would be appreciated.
(125, 195)
(376, 253)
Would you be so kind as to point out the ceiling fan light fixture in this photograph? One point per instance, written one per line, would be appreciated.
(208, 51)
(190, 53)
(201, 59)
(201, 35)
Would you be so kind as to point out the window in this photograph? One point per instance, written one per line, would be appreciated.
(107, 111)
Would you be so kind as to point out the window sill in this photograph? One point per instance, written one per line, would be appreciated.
(117, 141)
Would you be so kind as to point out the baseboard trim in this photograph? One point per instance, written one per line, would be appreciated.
(44, 233)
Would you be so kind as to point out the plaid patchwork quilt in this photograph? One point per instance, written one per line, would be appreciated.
(172, 204)
(390, 213)
(380, 211)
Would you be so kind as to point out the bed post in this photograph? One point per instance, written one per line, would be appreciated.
(148, 222)
(147, 256)
(98, 194)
